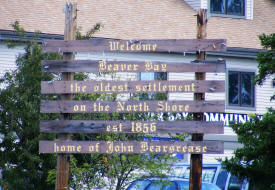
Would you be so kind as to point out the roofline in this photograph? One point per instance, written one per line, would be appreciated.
(13, 36)
(236, 52)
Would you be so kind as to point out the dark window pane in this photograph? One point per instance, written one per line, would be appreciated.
(222, 177)
(217, 6)
(208, 174)
(235, 183)
(246, 89)
(241, 89)
(233, 88)
(161, 76)
(235, 7)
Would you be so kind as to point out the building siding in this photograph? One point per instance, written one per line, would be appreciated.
(265, 92)
(131, 19)
(8, 57)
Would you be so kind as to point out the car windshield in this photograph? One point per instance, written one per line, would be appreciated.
(184, 185)
(167, 185)
(162, 185)
(207, 174)
(139, 185)
(177, 171)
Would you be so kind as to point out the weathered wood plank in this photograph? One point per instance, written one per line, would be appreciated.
(75, 87)
(146, 127)
(130, 147)
(132, 66)
(64, 106)
(112, 45)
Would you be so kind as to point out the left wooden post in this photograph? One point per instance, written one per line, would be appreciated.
(63, 160)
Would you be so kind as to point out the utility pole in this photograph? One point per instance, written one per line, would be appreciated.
(196, 159)
(63, 160)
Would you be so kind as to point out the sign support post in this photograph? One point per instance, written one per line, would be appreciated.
(63, 160)
(196, 159)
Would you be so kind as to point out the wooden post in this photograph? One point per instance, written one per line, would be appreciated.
(196, 159)
(63, 160)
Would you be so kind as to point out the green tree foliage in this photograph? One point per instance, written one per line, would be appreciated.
(22, 166)
(256, 159)
(266, 59)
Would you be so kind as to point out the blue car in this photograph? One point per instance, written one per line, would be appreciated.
(156, 183)
(213, 173)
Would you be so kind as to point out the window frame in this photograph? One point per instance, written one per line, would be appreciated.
(226, 15)
(240, 106)
(152, 95)
(156, 74)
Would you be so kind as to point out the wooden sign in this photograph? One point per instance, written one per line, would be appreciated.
(130, 147)
(146, 127)
(64, 106)
(131, 66)
(73, 87)
(111, 45)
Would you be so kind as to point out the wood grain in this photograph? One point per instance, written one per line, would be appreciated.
(63, 106)
(130, 147)
(94, 66)
(80, 87)
(146, 127)
(112, 45)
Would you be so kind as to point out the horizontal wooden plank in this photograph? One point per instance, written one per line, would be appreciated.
(146, 127)
(112, 45)
(77, 87)
(67, 106)
(131, 147)
(131, 66)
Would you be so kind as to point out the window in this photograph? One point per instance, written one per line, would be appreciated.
(222, 178)
(241, 89)
(228, 7)
(235, 183)
(165, 185)
(208, 174)
(153, 76)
